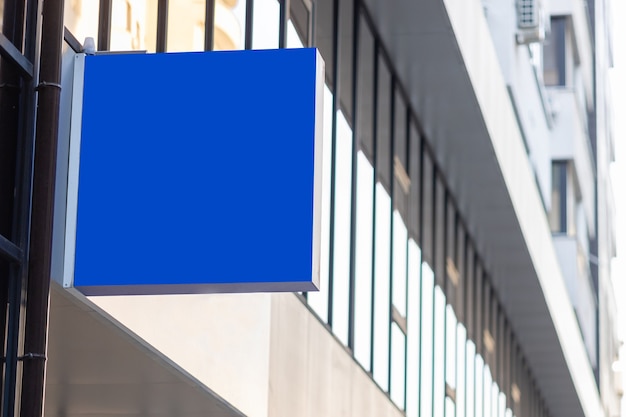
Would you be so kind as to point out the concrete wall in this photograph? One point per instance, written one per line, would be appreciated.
(266, 354)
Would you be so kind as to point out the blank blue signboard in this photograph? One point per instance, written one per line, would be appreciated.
(197, 172)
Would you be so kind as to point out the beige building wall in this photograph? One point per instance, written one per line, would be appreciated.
(266, 354)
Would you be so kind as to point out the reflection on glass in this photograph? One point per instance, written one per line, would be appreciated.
(230, 22)
(413, 331)
(439, 353)
(451, 345)
(266, 24)
(341, 259)
(501, 404)
(426, 381)
(470, 394)
(397, 365)
(487, 390)
(133, 25)
(508, 413)
(185, 26)
(363, 261)
(81, 18)
(479, 365)
(400, 236)
(381, 302)
(293, 39)
(318, 301)
(449, 408)
(461, 336)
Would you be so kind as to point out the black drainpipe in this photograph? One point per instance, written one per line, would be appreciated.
(38, 290)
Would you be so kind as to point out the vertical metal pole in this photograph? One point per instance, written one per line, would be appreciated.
(249, 21)
(104, 25)
(38, 289)
(209, 25)
(161, 37)
(284, 23)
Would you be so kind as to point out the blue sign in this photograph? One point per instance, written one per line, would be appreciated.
(198, 172)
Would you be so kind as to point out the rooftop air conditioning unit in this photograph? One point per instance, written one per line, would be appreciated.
(530, 22)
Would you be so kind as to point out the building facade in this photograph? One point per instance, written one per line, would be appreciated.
(467, 222)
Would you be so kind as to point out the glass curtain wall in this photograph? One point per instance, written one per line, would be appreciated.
(18, 47)
(402, 284)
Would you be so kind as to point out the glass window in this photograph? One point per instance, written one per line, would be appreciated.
(383, 118)
(427, 208)
(381, 284)
(479, 366)
(319, 300)
(294, 40)
(341, 258)
(487, 381)
(470, 392)
(554, 54)
(439, 379)
(470, 291)
(413, 331)
(365, 86)
(558, 209)
(414, 166)
(461, 342)
(440, 235)
(398, 365)
(450, 408)
(81, 18)
(451, 345)
(265, 24)
(133, 23)
(501, 405)
(400, 240)
(460, 265)
(495, 399)
(346, 43)
(426, 345)
(185, 26)
(363, 261)
(300, 18)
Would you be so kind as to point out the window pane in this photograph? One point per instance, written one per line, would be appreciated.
(341, 259)
(470, 393)
(487, 403)
(399, 263)
(426, 344)
(266, 24)
(363, 261)
(439, 382)
(81, 18)
(185, 26)
(381, 304)
(319, 300)
(413, 331)
(133, 25)
(501, 404)
(451, 345)
(461, 343)
(554, 55)
(479, 365)
(450, 407)
(293, 38)
(398, 340)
